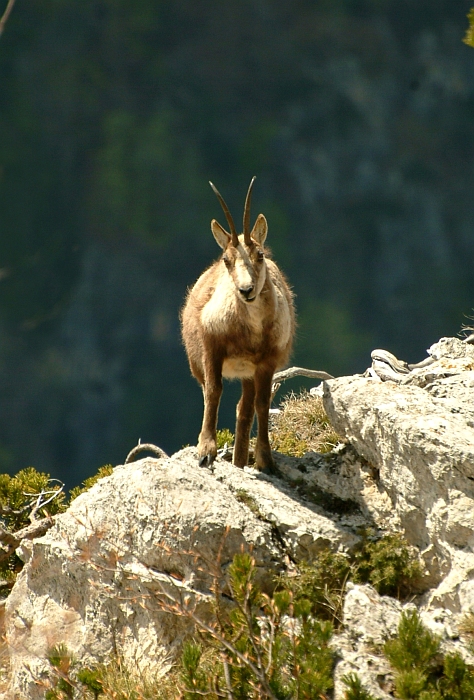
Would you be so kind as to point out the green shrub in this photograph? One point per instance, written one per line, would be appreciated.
(389, 564)
(28, 493)
(19, 496)
(420, 673)
(322, 583)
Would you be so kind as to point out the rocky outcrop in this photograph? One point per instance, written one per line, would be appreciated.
(152, 526)
(416, 434)
(165, 527)
(419, 437)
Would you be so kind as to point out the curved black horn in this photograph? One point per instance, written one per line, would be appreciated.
(228, 215)
(248, 199)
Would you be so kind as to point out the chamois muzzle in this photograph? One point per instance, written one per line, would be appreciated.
(247, 293)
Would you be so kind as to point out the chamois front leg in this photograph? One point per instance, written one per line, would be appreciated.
(245, 414)
(263, 390)
(212, 391)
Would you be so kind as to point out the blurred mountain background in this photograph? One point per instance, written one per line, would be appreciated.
(357, 116)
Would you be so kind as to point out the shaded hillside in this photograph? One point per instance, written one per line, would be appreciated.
(355, 115)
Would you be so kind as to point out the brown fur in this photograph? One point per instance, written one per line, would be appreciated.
(238, 321)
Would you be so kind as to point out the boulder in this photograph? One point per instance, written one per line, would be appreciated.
(153, 527)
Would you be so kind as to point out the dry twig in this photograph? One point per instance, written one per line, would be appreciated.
(292, 372)
(12, 540)
(145, 447)
(6, 15)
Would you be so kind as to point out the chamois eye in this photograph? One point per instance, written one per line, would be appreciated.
(226, 260)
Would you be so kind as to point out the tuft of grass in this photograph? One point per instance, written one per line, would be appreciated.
(112, 681)
(121, 681)
(466, 626)
(302, 426)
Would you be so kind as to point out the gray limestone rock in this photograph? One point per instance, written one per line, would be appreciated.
(418, 436)
(162, 529)
(154, 526)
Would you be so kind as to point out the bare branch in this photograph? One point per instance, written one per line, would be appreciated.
(300, 372)
(6, 15)
(8, 538)
(36, 529)
(291, 372)
(228, 681)
(41, 504)
(30, 532)
(145, 447)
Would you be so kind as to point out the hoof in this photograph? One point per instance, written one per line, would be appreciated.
(267, 466)
(206, 460)
(269, 470)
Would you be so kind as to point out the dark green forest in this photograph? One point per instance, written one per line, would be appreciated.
(357, 116)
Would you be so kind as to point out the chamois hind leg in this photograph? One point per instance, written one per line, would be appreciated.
(245, 414)
(263, 392)
(212, 391)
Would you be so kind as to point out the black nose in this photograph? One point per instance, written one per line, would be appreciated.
(246, 291)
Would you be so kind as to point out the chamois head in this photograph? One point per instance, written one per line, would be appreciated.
(244, 255)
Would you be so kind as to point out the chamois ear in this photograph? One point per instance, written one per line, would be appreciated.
(220, 234)
(260, 230)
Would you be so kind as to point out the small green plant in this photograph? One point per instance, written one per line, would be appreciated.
(355, 690)
(420, 673)
(389, 564)
(106, 470)
(193, 677)
(62, 687)
(415, 647)
(302, 426)
(322, 583)
(224, 437)
(457, 682)
(90, 678)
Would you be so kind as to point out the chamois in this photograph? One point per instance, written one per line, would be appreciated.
(238, 322)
